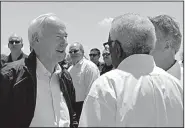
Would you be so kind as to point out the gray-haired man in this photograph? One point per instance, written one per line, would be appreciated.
(36, 91)
(137, 93)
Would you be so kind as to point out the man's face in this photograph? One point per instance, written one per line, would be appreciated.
(94, 57)
(75, 52)
(113, 54)
(15, 44)
(53, 43)
(107, 57)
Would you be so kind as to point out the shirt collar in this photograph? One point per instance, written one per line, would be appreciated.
(42, 70)
(79, 63)
(139, 64)
(10, 57)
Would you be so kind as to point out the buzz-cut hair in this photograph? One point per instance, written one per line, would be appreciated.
(95, 49)
(170, 28)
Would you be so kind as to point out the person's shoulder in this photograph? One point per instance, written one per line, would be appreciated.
(105, 83)
(14, 66)
(25, 55)
(164, 74)
(90, 64)
(165, 79)
(4, 59)
(113, 75)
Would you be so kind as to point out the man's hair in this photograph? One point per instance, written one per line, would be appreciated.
(170, 28)
(95, 49)
(80, 47)
(38, 25)
(137, 31)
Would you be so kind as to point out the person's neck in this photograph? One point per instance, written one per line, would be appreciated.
(168, 63)
(48, 64)
(15, 54)
(97, 62)
(75, 62)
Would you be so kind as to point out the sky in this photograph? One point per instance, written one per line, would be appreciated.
(86, 22)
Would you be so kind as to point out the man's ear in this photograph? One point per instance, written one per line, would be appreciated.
(168, 44)
(119, 49)
(35, 37)
(21, 45)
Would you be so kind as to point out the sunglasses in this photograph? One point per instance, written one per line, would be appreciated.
(16, 42)
(73, 51)
(105, 54)
(93, 55)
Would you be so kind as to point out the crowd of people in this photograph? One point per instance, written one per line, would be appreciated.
(139, 84)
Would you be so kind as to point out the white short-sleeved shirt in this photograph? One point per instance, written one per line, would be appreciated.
(175, 70)
(136, 94)
(51, 109)
(83, 74)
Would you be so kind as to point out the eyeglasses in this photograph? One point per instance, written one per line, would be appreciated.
(16, 42)
(105, 54)
(108, 43)
(73, 51)
(93, 55)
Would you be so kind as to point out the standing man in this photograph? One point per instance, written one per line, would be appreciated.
(15, 44)
(94, 57)
(36, 91)
(137, 93)
(83, 73)
(108, 61)
(167, 45)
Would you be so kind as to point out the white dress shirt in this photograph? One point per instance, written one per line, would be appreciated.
(51, 109)
(175, 70)
(83, 74)
(136, 94)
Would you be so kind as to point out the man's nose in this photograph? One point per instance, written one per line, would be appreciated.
(63, 44)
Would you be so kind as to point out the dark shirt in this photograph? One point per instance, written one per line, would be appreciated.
(9, 58)
(106, 68)
(100, 66)
(65, 64)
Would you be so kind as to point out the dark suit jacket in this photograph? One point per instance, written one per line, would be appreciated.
(18, 91)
